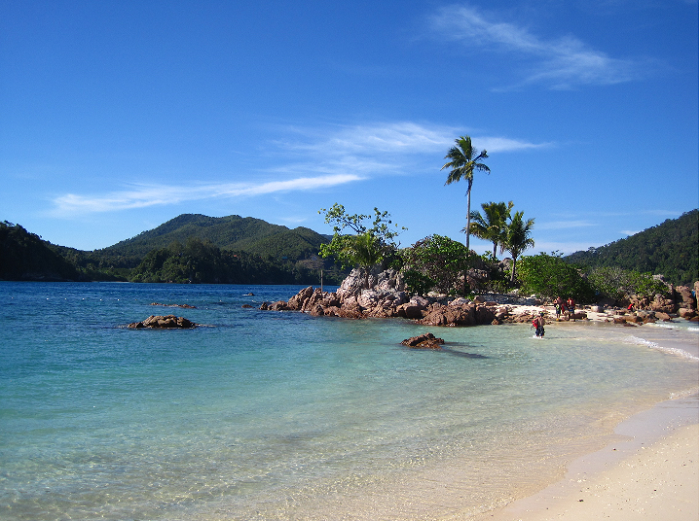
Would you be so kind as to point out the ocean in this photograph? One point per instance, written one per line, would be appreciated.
(263, 415)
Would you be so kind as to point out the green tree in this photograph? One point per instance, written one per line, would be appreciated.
(463, 162)
(619, 284)
(492, 225)
(518, 239)
(551, 276)
(434, 263)
(369, 245)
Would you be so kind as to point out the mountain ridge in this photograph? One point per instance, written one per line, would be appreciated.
(669, 248)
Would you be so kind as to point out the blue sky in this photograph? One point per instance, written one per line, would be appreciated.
(118, 116)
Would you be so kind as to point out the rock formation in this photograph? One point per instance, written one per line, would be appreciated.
(424, 341)
(163, 322)
(387, 299)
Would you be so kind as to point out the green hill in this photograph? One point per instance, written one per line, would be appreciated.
(24, 256)
(193, 248)
(669, 249)
(233, 233)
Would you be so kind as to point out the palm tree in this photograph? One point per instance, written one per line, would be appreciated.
(463, 161)
(492, 225)
(518, 238)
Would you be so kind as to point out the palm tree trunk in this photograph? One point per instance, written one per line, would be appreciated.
(469, 208)
(512, 273)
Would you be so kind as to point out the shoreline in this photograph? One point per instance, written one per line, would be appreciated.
(650, 472)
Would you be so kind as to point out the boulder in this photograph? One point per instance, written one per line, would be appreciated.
(684, 297)
(424, 341)
(687, 313)
(163, 322)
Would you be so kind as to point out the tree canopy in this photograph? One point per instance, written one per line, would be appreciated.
(463, 162)
(372, 242)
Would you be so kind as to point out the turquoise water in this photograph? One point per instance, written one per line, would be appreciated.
(268, 415)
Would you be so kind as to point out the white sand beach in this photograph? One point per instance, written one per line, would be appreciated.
(654, 482)
(651, 473)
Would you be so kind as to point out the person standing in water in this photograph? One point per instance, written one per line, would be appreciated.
(539, 325)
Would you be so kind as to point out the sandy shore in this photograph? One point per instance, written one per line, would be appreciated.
(655, 482)
(650, 474)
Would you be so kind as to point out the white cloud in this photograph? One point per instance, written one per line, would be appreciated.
(142, 196)
(560, 63)
(630, 232)
(564, 225)
(308, 159)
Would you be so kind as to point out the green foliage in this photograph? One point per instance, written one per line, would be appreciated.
(550, 276)
(434, 263)
(463, 162)
(492, 226)
(669, 249)
(369, 246)
(619, 284)
(199, 262)
(24, 256)
(517, 239)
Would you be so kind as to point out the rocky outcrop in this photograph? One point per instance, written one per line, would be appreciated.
(163, 322)
(424, 341)
(386, 299)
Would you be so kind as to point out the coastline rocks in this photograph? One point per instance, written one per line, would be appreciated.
(163, 322)
(424, 341)
(387, 299)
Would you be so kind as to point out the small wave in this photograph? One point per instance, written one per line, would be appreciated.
(675, 326)
(683, 394)
(653, 345)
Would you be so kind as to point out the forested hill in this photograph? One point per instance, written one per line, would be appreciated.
(232, 233)
(669, 249)
(24, 256)
(189, 248)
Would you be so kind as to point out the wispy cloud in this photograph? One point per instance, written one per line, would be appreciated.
(630, 232)
(142, 195)
(559, 63)
(306, 159)
(564, 225)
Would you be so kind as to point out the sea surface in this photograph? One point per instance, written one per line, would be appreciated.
(262, 415)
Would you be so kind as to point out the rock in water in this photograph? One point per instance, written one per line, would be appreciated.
(424, 341)
(163, 322)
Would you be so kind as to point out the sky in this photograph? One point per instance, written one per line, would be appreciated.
(117, 116)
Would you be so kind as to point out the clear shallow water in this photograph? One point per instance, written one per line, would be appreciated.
(268, 415)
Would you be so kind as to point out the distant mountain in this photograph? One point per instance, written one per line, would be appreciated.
(669, 249)
(232, 233)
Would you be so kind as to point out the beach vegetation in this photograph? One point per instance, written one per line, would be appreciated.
(436, 263)
(492, 225)
(463, 162)
(517, 239)
(370, 243)
(549, 276)
(620, 284)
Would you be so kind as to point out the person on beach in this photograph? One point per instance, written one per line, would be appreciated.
(558, 306)
(571, 305)
(539, 325)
